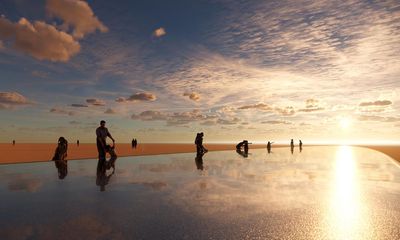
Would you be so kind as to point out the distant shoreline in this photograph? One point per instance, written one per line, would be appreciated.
(43, 152)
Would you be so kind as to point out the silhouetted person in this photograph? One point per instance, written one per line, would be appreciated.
(199, 161)
(77, 142)
(133, 143)
(13, 142)
(101, 177)
(269, 145)
(244, 144)
(101, 134)
(199, 143)
(60, 156)
(300, 145)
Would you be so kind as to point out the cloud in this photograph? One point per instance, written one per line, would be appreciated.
(110, 111)
(312, 105)
(95, 102)
(76, 14)
(61, 111)
(40, 40)
(150, 116)
(120, 99)
(13, 98)
(259, 106)
(374, 118)
(231, 121)
(143, 96)
(376, 103)
(286, 111)
(276, 122)
(159, 32)
(192, 96)
(79, 105)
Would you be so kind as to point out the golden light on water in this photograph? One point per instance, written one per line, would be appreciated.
(346, 209)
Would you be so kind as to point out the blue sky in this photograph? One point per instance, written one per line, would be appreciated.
(164, 70)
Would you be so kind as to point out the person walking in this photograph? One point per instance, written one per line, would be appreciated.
(101, 135)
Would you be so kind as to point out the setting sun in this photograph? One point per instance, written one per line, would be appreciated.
(345, 122)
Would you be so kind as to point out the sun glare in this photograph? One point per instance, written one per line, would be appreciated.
(345, 122)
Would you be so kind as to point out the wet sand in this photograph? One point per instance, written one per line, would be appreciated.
(26, 152)
(392, 151)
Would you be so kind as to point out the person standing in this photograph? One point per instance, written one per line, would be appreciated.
(101, 134)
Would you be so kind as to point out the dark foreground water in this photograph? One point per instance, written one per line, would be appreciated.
(320, 193)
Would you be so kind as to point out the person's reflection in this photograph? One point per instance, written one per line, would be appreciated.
(62, 168)
(292, 149)
(102, 178)
(199, 161)
(244, 153)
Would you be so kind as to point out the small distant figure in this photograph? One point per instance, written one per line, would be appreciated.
(60, 156)
(13, 142)
(199, 143)
(269, 146)
(300, 145)
(291, 146)
(77, 142)
(133, 143)
(199, 161)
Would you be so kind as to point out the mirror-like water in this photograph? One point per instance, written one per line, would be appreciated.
(320, 193)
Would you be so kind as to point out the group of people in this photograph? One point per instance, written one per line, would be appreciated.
(134, 143)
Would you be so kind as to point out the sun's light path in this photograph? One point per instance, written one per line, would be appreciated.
(346, 208)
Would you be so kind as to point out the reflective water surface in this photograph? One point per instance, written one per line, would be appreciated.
(320, 193)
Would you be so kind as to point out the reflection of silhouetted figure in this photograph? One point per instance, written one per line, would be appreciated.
(13, 142)
(243, 153)
(59, 158)
(199, 161)
(113, 157)
(199, 143)
(300, 145)
(269, 146)
(77, 142)
(101, 177)
(62, 168)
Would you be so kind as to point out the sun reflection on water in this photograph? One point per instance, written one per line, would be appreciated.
(346, 208)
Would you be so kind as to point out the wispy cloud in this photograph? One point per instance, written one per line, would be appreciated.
(40, 40)
(96, 102)
(159, 32)
(11, 99)
(76, 14)
(192, 96)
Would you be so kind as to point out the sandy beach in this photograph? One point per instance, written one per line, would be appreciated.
(26, 152)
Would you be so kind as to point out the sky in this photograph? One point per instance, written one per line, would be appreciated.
(161, 71)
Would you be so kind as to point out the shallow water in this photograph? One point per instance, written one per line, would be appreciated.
(320, 193)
